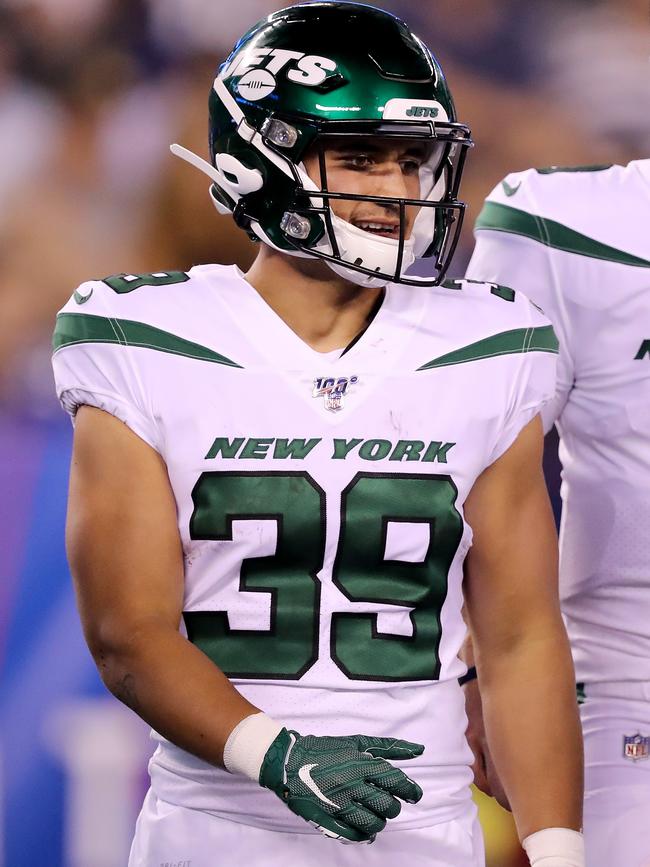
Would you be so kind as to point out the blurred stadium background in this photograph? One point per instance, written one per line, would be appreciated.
(91, 94)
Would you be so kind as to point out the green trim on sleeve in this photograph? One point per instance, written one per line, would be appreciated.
(518, 340)
(503, 218)
(74, 328)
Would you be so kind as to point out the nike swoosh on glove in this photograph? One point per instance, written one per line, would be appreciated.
(343, 786)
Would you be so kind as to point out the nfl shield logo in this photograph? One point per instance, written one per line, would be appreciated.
(333, 390)
(636, 747)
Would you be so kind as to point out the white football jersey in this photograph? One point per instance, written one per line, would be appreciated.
(577, 242)
(320, 498)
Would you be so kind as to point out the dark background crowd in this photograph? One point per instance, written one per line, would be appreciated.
(92, 92)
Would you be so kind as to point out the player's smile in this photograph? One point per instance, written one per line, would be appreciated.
(386, 228)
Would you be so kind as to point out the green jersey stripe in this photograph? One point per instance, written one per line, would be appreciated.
(73, 328)
(503, 218)
(540, 339)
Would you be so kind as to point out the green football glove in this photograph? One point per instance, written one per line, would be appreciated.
(343, 786)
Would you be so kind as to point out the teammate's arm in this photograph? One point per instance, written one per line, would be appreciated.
(521, 649)
(126, 557)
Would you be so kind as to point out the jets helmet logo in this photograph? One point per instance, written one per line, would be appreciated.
(256, 84)
(422, 111)
(259, 68)
(333, 389)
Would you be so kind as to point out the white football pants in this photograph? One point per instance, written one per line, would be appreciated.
(617, 789)
(171, 836)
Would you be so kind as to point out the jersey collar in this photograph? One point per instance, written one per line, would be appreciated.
(385, 337)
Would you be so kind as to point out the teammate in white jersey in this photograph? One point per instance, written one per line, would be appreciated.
(577, 241)
(291, 464)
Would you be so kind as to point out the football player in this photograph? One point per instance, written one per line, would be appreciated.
(576, 241)
(291, 465)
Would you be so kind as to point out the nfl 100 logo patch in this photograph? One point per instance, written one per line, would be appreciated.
(636, 747)
(333, 389)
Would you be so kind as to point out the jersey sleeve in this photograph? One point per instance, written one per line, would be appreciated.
(506, 253)
(534, 380)
(93, 364)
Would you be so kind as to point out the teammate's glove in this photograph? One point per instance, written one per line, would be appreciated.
(343, 786)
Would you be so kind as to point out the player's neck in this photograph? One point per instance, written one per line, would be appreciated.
(324, 310)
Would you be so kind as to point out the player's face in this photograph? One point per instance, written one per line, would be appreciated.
(372, 167)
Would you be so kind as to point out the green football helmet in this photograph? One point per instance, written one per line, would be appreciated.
(313, 74)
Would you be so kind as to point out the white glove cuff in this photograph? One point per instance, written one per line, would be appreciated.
(555, 847)
(247, 745)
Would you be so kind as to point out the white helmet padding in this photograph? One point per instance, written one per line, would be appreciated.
(363, 249)
(356, 246)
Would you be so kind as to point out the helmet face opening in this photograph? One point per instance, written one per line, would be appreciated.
(380, 236)
(305, 81)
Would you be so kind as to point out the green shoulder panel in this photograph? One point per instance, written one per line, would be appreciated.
(503, 218)
(122, 283)
(555, 170)
(74, 328)
(504, 292)
(518, 340)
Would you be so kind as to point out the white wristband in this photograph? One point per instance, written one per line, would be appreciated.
(555, 847)
(247, 745)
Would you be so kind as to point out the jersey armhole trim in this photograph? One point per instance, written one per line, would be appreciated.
(75, 396)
